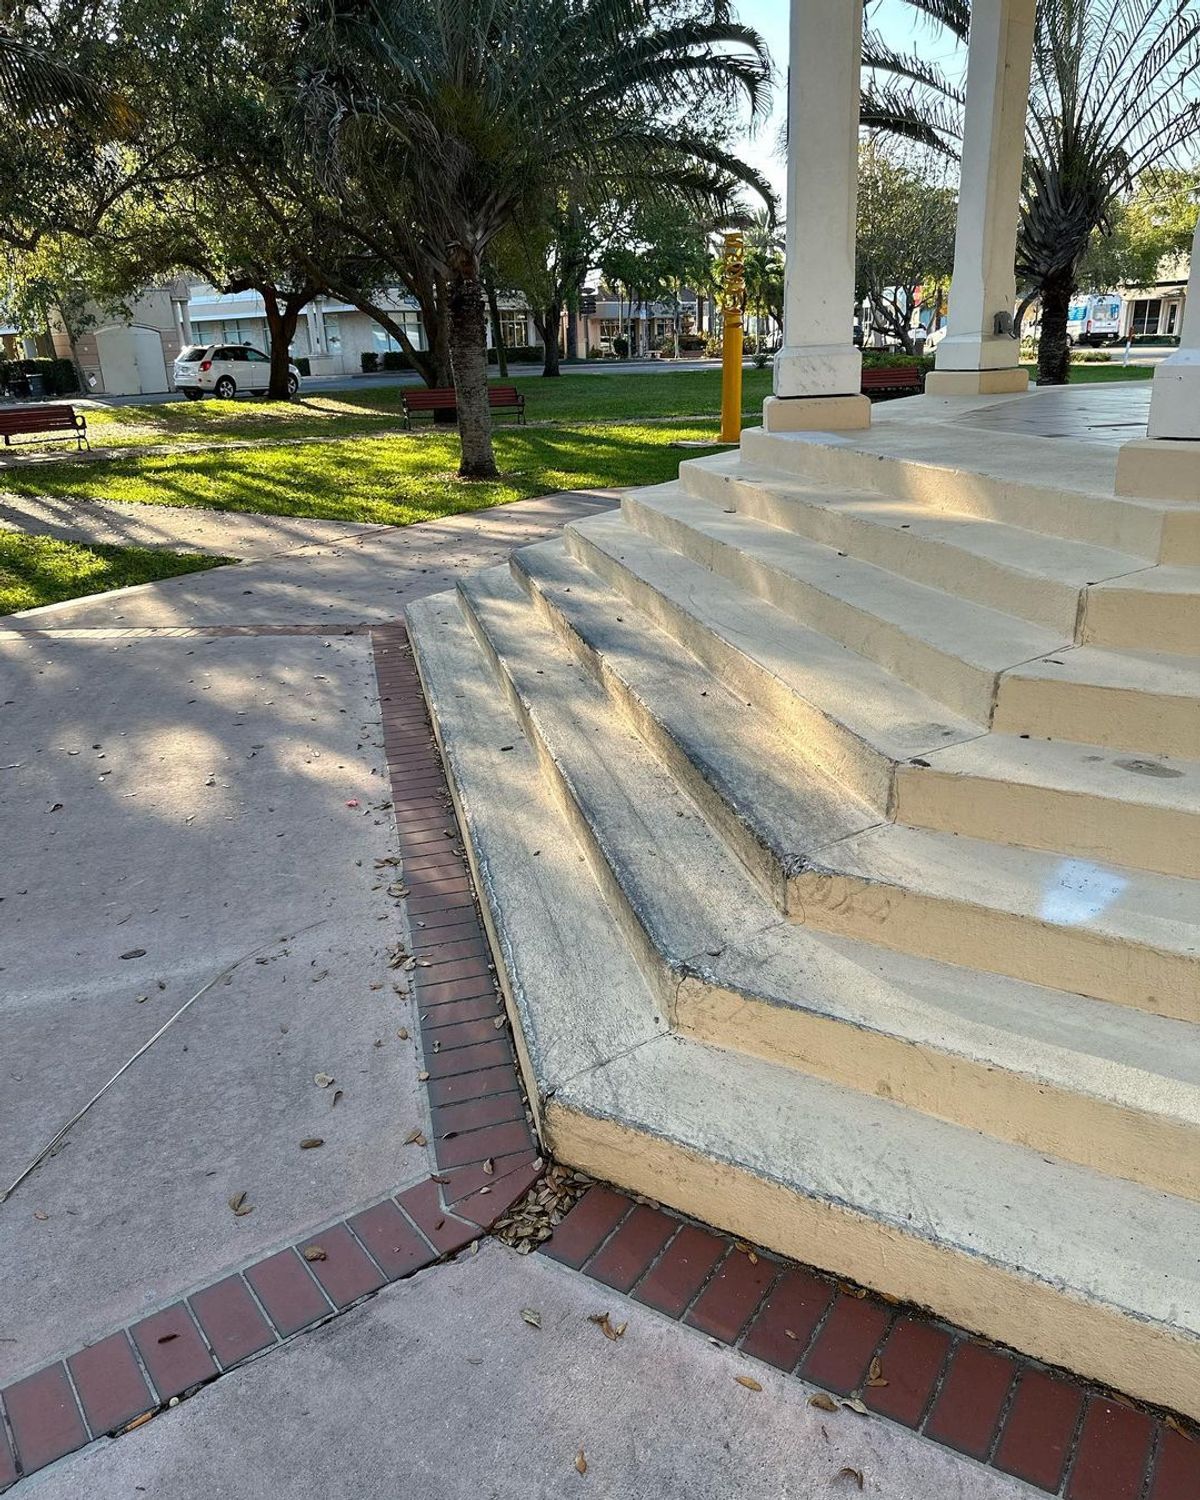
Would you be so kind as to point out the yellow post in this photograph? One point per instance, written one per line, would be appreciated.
(733, 286)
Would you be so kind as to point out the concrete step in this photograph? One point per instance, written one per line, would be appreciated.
(825, 857)
(1142, 701)
(847, 716)
(1071, 1265)
(1114, 933)
(549, 926)
(1082, 801)
(1079, 1269)
(1098, 1084)
(1062, 488)
(770, 804)
(945, 646)
(1026, 573)
(1158, 610)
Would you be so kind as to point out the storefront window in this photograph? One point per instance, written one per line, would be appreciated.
(1145, 316)
(514, 326)
(383, 340)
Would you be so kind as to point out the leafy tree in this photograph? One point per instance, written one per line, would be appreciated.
(463, 111)
(1154, 225)
(905, 237)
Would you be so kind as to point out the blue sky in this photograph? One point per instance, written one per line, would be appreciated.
(899, 24)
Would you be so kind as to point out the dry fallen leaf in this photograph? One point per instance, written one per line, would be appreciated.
(875, 1373)
(532, 1317)
(423, 1076)
(748, 1381)
(822, 1402)
(403, 1033)
(607, 1327)
(581, 1462)
(792, 1334)
(315, 1252)
(849, 1473)
(322, 1080)
(489, 1166)
(415, 1137)
(856, 1405)
(41, 1215)
(311, 1142)
(239, 1205)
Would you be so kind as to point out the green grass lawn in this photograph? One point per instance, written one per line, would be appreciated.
(36, 570)
(1095, 374)
(662, 394)
(393, 480)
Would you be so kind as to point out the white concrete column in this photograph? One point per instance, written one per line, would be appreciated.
(1175, 394)
(818, 372)
(1166, 464)
(973, 357)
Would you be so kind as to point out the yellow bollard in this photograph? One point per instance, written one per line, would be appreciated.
(733, 285)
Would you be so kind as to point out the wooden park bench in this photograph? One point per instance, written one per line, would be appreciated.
(23, 421)
(444, 399)
(891, 378)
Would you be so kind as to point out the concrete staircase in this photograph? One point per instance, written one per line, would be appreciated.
(836, 816)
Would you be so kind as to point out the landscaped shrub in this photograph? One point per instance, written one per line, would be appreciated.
(303, 365)
(713, 346)
(58, 375)
(886, 359)
(523, 354)
(396, 359)
(370, 362)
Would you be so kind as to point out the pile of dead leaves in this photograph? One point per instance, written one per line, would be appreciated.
(533, 1220)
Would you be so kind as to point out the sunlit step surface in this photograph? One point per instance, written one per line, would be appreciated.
(1119, 934)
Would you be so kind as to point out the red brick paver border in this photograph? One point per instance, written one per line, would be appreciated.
(1048, 1428)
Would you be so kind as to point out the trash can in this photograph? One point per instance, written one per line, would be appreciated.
(37, 386)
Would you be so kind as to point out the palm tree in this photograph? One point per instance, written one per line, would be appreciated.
(41, 91)
(1113, 95)
(470, 110)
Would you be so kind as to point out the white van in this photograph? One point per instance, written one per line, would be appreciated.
(1095, 320)
(226, 369)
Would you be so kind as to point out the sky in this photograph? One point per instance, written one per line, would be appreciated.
(899, 24)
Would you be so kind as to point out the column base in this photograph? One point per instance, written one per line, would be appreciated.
(816, 413)
(976, 382)
(1159, 469)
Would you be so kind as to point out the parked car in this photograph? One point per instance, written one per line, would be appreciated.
(225, 369)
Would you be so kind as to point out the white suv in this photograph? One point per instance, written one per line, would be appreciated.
(226, 369)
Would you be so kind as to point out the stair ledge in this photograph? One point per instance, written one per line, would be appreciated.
(912, 1207)
(944, 645)
(1005, 567)
(1080, 800)
(1121, 935)
(849, 714)
(1083, 1079)
(765, 798)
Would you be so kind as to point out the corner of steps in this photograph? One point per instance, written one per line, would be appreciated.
(1073, 1266)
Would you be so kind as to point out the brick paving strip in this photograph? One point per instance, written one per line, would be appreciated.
(1041, 1425)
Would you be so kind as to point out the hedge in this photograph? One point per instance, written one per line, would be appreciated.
(523, 354)
(59, 377)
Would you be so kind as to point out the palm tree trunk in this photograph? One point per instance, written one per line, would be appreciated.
(1054, 348)
(468, 359)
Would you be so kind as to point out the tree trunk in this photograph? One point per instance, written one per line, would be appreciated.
(468, 358)
(548, 324)
(281, 326)
(497, 327)
(1054, 348)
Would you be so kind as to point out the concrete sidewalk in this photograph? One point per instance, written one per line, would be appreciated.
(438, 1389)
